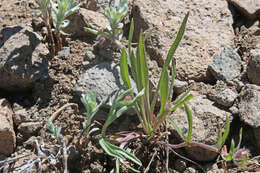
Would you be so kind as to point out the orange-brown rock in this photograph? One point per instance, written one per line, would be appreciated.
(7, 134)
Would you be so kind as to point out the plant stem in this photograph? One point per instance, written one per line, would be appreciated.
(59, 40)
(190, 144)
(51, 39)
(65, 157)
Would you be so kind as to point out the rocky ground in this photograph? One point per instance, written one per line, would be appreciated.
(218, 60)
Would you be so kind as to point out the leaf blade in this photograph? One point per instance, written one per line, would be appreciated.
(189, 117)
(124, 69)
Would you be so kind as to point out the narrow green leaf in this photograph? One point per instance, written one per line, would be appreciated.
(231, 151)
(176, 42)
(164, 91)
(240, 139)
(162, 117)
(176, 127)
(117, 165)
(133, 67)
(120, 96)
(189, 117)
(93, 31)
(109, 150)
(170, 56)
(227, 128)
(138, 71)
(124, 69)
(129, 103)
(130, 37)
(181, 102)
(125, 154)
(219, 145)
(172, 82)
(143, 74)
(143, 68)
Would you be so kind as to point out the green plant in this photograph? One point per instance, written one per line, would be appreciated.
(45, 8)
(60, 11)
(236, 154)
(114, 31)
(118, 106)
(149, 117)
(145, 107)
(91, 106)
(55, 130)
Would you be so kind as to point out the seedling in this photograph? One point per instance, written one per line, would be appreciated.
(45, 8)
(55, 130)
(114, 31)
(236, 154)
(91, 106)
(118, 106)
(60, 11)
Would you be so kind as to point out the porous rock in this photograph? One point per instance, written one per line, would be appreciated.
(7, 134)
(206, 120)
(23, 59)
(209, 27)
(249, 105)
(85, 18)
(104, 79)
(253, 70)
(226, 97)
(249, 108)
(179, 86)
(226, 65)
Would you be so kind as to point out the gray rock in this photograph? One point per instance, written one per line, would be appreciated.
(250, 8)
(103, 79)
(226, 65)
(234, 110)
(179, 86)
(7, 134)
(249, 105)
(64, 53)
(226, 97)
(211, 19)
(249, 110)
(23, 59)
(206, 120)
(253, 70)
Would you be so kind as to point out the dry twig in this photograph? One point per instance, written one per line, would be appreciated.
(148, 167)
